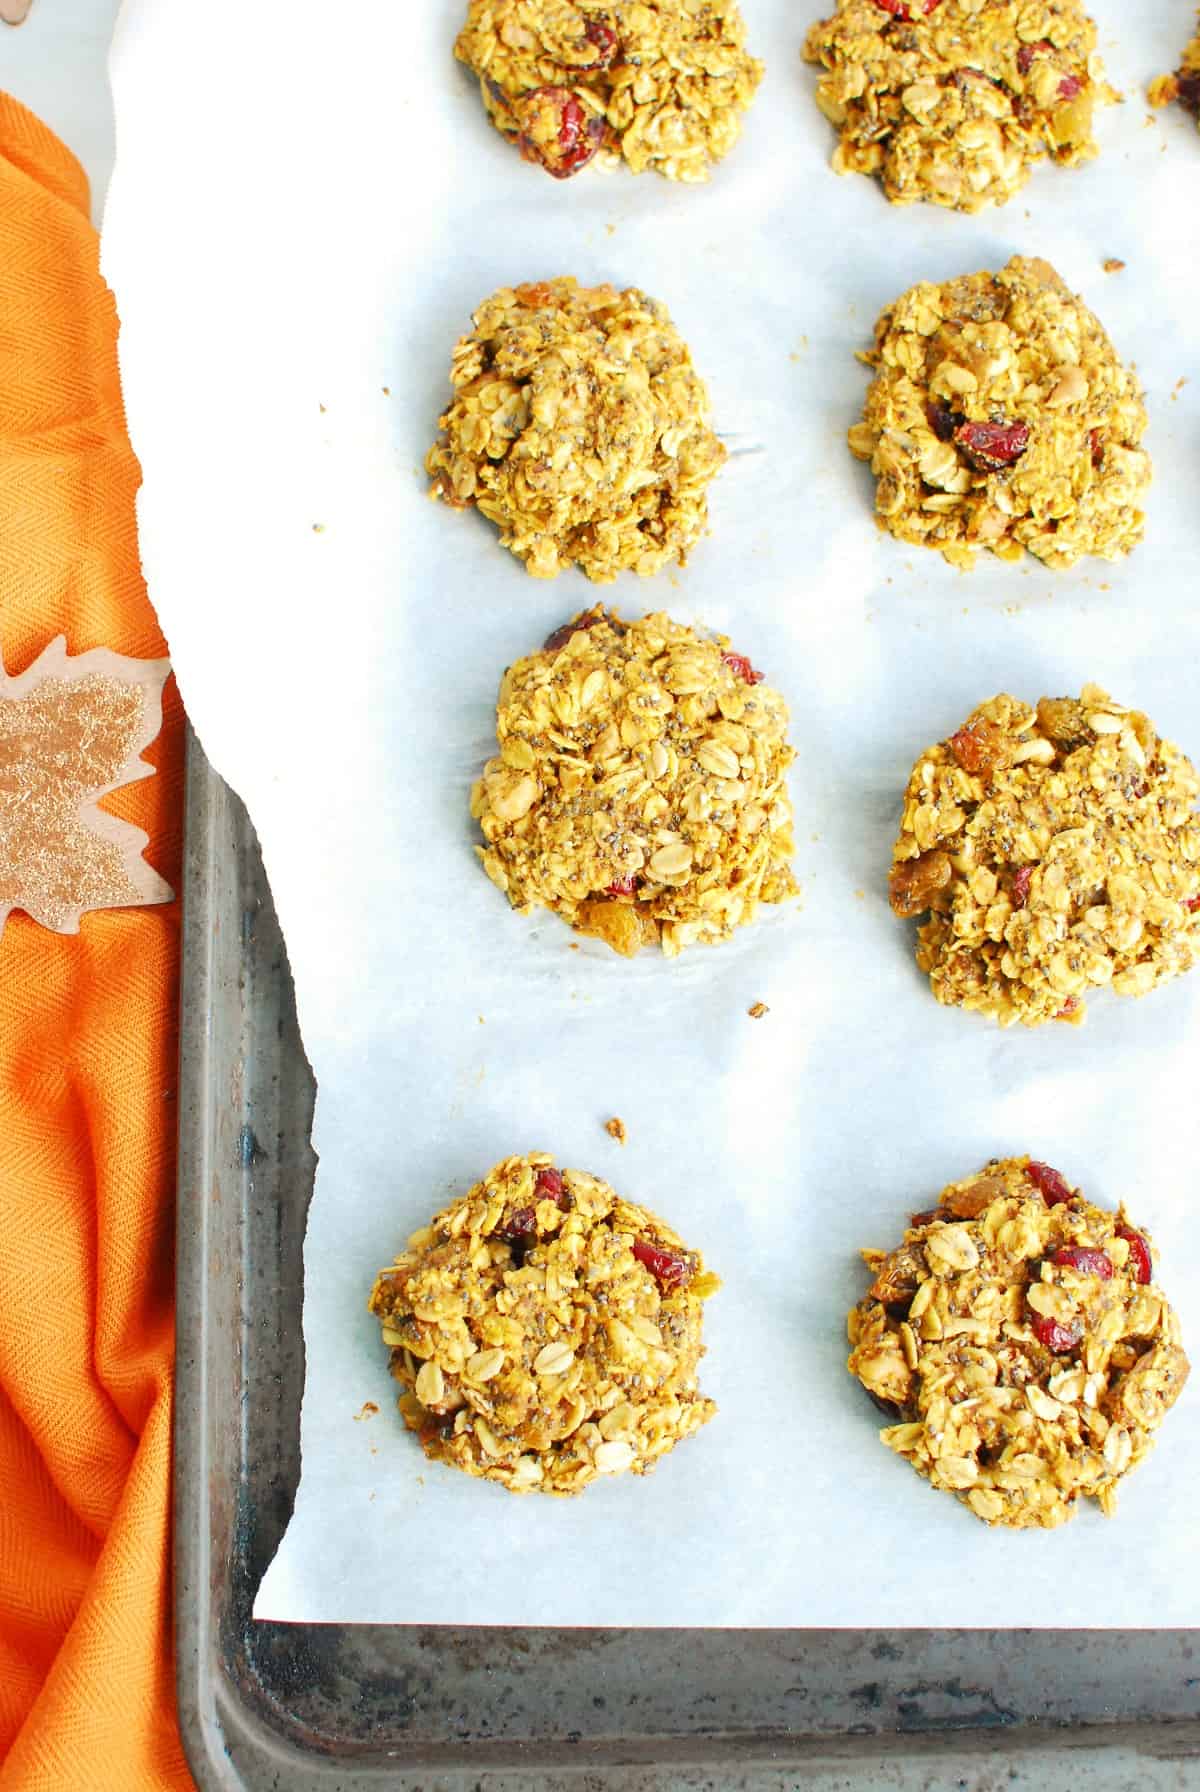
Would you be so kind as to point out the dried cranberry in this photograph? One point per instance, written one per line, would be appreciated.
(943, 422)
(1068, 1008)
(548, 1185)
(557, 130)
(1022, 878)
(1087, 1260)
(558, 640)
(521, 1226)
(624, 886)
(740, 666)
(991, 446)
(1027, 52)
(1054, 1335)
(669, 1268)
(926, 1217)
(1069, 87)
(1096, 443)
(1192, 904)
(1187, 90)
(1139, 1255)
(604, 39)
(901, 9)
(1051, 1184)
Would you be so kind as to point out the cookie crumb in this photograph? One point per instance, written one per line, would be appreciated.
(616, 1129)
(758, 1010)
(367, 1410)
(1113, 265)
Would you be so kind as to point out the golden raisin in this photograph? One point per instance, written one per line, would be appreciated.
(914, 884)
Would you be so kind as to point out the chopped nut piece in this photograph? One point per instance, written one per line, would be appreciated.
(543, 1368)
(757, 1010)
(616, 1129)
(1040, 447)
(581, 428)
(1025, 1343)
(662, 84)
(954, 102)
(661, 814)
(1057, 850)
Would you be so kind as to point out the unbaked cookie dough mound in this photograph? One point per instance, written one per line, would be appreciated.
(639, 786)
(545, 1331)
(1057, 851)
(953, 101)
(1000, 417)
(580, 427)
(662, 84)
(1184, 84)
(1019, 1342)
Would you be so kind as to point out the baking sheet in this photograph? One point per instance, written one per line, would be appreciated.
(323, 248)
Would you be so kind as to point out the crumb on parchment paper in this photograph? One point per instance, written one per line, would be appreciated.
(616, 1129)
(757, 1010)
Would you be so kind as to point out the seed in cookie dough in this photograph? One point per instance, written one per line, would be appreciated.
(658, 84)
(545, 1331)
(580, 426)
(1056, 850)
(638, 789)
(1000, 417)
(1022, 1349)
(954, 101)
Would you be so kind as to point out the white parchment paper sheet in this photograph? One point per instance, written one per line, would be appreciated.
(308, 203)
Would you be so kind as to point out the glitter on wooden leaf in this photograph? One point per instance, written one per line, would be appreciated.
(71, 731)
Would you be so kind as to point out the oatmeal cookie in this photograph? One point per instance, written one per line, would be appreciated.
(639, 787)
(953, 101)
(1184, 84)
(581, 428)
(1019, 1342)
(1056, 850)
(545, 1331)
(661, 84)
(1000, 417)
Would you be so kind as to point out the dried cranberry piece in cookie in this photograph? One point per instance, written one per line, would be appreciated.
(1054, 1335)
(1022, 878)
(1191, 904)
(604, 41)
(903, 9)
(669, 1268)
(548, 1185)
(1139, 1255)
(1052, 1185)
(741, 668)
(990, 447)
(556, 129)
(1086, 1259)
(942, 421)
(521, 1227)
(558, 639)
(1070, 87)
(1187, 90)
(624, 886)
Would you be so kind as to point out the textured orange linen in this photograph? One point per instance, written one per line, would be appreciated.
(87, 1071)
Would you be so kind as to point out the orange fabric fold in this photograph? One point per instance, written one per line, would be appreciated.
(87, 1070)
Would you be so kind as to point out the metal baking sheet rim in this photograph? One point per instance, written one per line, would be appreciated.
(890, 1709)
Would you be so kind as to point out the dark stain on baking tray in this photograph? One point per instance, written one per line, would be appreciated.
(314, 1708)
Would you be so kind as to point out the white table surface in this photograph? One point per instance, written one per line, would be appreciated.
(55, 63)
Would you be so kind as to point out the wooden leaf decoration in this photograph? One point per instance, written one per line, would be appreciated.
(71, 731)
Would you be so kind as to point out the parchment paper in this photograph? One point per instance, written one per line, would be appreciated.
(308, 202)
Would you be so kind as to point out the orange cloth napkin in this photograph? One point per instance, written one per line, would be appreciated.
(87, 1071)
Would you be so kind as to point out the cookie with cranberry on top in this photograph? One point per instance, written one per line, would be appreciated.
(657, 84)
(639, 785)
(546, 1332)
(1020, 1345)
